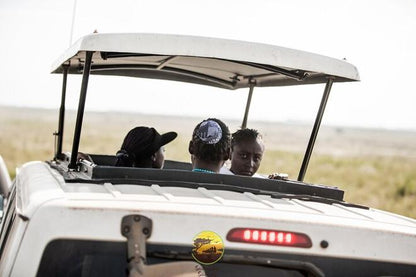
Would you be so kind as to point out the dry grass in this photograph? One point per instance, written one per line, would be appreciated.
(375, 167)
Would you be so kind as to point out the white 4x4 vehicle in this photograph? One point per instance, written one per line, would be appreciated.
(71, 217)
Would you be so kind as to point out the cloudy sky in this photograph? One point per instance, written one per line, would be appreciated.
(376, 36)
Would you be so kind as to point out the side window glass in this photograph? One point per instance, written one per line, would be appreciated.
(1, 207)
(8, 218)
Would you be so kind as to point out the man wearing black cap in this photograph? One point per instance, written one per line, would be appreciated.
(143, 147)
(210, 146)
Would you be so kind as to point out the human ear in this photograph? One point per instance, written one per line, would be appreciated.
(191, 148)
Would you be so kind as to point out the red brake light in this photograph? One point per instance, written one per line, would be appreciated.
(270, 237)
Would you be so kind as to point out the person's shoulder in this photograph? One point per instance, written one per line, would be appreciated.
(225, 170)
(258, 176)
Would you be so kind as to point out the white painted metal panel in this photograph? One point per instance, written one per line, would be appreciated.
(218, 60)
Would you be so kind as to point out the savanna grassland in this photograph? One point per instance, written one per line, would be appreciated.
(374, 167)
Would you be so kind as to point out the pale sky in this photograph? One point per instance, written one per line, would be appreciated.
(378, 37)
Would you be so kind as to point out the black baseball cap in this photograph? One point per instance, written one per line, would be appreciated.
(145, 141)
(160, 140)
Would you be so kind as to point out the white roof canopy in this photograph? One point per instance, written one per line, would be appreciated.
(216, 62)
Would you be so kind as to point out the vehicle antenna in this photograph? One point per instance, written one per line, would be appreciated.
(74, 10)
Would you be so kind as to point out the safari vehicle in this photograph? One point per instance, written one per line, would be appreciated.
(73, 217)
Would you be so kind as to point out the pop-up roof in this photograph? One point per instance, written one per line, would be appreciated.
(216, 62)
(223, 63)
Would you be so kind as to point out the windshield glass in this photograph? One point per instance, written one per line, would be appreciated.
(103, 258)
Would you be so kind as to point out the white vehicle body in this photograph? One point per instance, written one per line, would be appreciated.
(56, 206)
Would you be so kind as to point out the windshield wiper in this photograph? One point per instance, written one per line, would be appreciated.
(306, 268)
(313, 198)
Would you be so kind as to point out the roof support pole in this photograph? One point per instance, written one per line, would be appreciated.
(60, 132)
(81, 106)
(250, 94)
(315, 129)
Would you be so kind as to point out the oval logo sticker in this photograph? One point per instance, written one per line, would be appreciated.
(208, 248)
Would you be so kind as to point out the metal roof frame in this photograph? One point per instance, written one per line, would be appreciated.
(227, 64)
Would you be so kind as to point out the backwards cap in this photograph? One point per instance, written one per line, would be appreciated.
(209, 132)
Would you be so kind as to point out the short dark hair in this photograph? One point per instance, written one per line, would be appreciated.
(212, 151)
(244, 135)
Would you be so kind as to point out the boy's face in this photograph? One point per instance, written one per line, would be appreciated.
(159, 158)
(246, 157)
